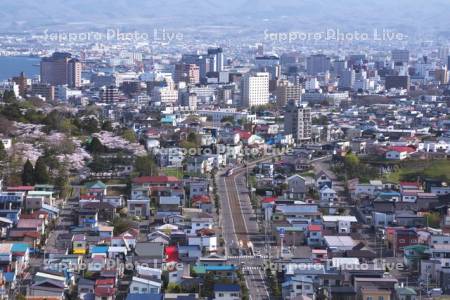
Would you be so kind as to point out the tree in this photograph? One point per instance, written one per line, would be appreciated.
(3, 153)
(41, 171)
(192, 138)
(107, 126)
(62, 181)
(145, 166)
(434, 219)
(129, 135)
(28, 173)
(208, 285)
(351, 163)
(99, 164)
(55, 120)
(9, 96)
(174, 288)
(95, 146)
(90, 125)
(228, 119)
(121, 225)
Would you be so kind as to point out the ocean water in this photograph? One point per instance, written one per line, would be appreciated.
(11, 66)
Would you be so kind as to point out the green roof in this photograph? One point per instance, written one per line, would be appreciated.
(199, 269)
(417, 248)
(95, 185)
(405, 291)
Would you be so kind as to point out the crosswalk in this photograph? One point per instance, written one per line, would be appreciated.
(249, 257)
(251, 268)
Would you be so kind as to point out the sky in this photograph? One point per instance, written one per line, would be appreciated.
(430, 16)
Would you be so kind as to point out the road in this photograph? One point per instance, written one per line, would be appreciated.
(239, 227)
(324, 164)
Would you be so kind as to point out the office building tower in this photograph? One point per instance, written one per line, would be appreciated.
(21, 81)
(317, 64)
(165, 96)
(44, 90)
(202, 61)
(225, 94)
(347, 79)
(297, 121)
(189, 100)
(443, 54)
(270, 64)
(260, 50)
(287, 91)
(54, 68)
(339, 66)
(110, 94)
(400, 56)
(255, 89)
(441, 75)
(357, 59)
(216, 59)
(267, 61)
(289, 60)
(61, 69)
(397, 82)
(189, 73)
(74, 73)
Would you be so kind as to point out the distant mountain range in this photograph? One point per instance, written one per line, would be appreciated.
(430, 16)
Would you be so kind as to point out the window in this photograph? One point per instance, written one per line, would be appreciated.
(135, 288)
(221, 294)
(380, 298)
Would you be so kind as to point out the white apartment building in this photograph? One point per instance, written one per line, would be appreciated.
(255, 89)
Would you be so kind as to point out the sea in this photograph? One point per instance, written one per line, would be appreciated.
(11, 66)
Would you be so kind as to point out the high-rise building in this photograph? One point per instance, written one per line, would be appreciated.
(74, 73)
(397, 82)
(287, 91)
(61, 69)
(317, 64)
(216, 59)
(441, 75)
(202, 61)
(225, 94)
(255, 89)
(21, 81)
(448, 62)
(44, 90)
(443, 54)
(400, 56)
(347, 79)
(189, 100)
(297, 121)
(189, 73)
(267, 61)
(339, 66)
(165, 95)
(110, 94)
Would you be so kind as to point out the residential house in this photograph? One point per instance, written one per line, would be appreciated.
(399, 153)
(142, 285)
(322, 179)
(328, 196)
(97, 189)
(227, 292)
(296, 187)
